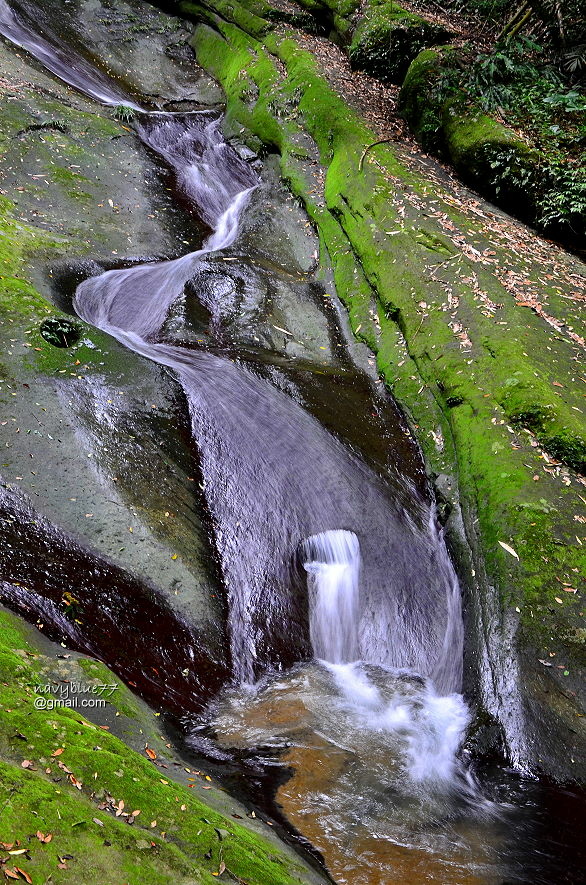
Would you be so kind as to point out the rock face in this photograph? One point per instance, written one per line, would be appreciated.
(475, 330)
(388, 38)
(487, 155)
(477, 334)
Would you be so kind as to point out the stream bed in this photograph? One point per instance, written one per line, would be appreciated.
(331, 665)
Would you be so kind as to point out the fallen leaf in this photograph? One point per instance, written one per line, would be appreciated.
(508, 549)
(58, 752)
(150, 753)
(24, 875)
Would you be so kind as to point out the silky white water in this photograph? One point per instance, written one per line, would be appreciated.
(430, 727)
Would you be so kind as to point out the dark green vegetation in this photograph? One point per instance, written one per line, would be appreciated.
(511, 126)
(476, 333)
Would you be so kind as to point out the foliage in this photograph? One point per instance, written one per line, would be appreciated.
(124, 113)
(564, 200)
(561, 27)
(529, 94)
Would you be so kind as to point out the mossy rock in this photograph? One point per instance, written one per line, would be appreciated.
(64, 774)
(490, 156)
(388, 38)
(487, 154)
(420, 99)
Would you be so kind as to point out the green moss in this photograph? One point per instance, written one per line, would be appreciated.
(17, 240)
(420, 101)
(64, 794)
(388, 38)
(488, 154)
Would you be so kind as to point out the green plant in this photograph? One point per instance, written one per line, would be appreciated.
(124, 113)
(562, 202)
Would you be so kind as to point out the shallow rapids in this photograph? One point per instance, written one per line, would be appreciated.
(273, 475)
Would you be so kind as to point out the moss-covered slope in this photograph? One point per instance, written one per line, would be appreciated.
(78, 805)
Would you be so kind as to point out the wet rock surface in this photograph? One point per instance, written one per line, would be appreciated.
(270, 306)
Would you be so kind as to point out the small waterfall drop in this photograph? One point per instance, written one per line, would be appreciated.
(333, 568)
(431, 727)
(61, 60)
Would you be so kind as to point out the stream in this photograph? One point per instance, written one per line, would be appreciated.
(343, 610)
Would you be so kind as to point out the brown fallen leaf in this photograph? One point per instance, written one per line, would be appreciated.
(58, 751)
(135, 813)
(150, 753)
(24, 875)
(26, 763)
(10, 874)
(508, 549)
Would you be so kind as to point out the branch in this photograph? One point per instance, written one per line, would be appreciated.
(368, 147)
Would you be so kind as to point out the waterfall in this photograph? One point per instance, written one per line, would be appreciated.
(273, 475)
(333, 567)
(432, 727)
(61, 60)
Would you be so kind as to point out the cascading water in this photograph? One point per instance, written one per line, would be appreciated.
(431, 727)
(273, 475)
(60, 60)
(371, 731)
(332, 562)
